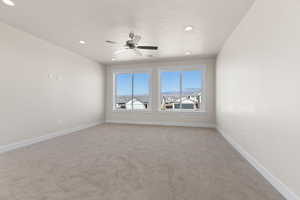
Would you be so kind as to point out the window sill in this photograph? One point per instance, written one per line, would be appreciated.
(132, 111)
(162, 111)
(184, 111)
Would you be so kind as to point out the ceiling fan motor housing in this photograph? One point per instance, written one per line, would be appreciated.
(130, 44)
(131, 35)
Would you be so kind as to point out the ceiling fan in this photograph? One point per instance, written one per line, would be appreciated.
(132, 44)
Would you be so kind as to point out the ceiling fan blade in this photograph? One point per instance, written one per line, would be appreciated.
(111, 42)
(147, 47)
(137, 52)
(119, 51)
(136, 39)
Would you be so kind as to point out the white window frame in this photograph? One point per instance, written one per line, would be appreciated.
(115, 72)
(202, 68)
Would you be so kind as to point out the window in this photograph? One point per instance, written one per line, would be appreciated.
(181, 90)
(132, 91)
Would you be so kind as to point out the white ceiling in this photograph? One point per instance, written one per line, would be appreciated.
(159, 22)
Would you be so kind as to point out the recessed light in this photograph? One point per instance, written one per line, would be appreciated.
(113, 59)
(8, 2)
(82, 42)
(188, 53)
(188, 28)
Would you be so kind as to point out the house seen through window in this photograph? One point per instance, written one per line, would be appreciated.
(181, 90)
(132, 91)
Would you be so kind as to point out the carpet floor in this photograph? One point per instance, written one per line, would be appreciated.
(132, 162)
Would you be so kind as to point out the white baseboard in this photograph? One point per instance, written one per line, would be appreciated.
(28, 142)
(186, 124)
(279, 185)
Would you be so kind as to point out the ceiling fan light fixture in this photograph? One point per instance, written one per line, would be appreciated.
(188, 28)
(8, 2)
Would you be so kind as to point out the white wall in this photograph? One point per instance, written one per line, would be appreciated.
(156, 117)
(258, 98)
(31, 103)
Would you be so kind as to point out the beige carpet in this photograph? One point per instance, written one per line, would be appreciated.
(131, 162)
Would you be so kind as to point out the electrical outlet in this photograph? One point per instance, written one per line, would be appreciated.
(59, 78)
(50, 76)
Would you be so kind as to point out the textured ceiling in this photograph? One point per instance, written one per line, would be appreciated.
(159, 22)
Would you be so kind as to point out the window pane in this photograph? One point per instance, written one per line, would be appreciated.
(141, 96)
(123, 91)
(170, 90)
(191, 89)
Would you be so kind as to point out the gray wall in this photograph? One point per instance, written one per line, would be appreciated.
(156, 117)
(45, 88)
(258, 98)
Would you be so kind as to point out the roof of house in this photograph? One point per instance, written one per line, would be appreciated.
(135, 101)
(126, 99)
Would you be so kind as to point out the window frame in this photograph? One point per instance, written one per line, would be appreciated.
(115, 72)
(202, 68)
